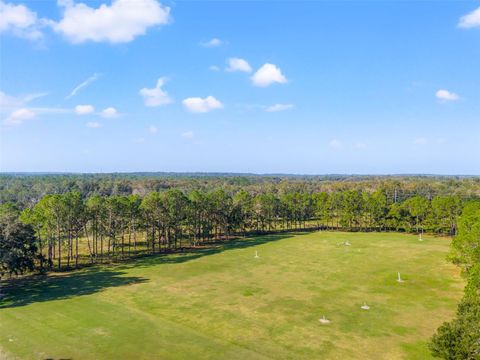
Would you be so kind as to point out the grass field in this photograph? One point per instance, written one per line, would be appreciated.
(224, 304)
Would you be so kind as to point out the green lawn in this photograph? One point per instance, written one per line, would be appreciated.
(225, 304)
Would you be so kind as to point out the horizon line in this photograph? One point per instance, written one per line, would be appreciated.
(228, 173)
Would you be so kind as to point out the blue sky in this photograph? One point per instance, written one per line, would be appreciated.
(264, 87)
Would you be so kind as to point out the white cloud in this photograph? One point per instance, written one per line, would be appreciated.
(335, 144)
(470, 20)
(84, 109)
(152, 129)
(420, 141)
(278, 107)
(109, 113)
(199, 105)
(267, 75)
(16, 107)
(19, 116)
(188, 135)
(446, 95)
(9, 102)
(237, 64)
(19, 20)
(215, 42)
(156, 96)
(94, 125)
(214, 68)
(82, 85)
(119, 22)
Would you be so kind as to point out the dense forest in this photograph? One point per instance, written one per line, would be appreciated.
(26, 190)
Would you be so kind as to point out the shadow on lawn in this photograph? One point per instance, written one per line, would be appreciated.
(25, 291)
(199, 252)
(42, 288)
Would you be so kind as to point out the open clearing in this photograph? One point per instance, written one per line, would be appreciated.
(226, 304)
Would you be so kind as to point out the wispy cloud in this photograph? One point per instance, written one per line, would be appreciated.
(94, 125)
(278, 107)
(8, 102)
(420, 141)
(215, 42)
(139, 140)
(82, 85)
(335, 144)
(188, 135)
(18, 117)
(51, 110)
(152, 129)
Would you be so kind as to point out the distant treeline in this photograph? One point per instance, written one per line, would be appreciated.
(25, 190)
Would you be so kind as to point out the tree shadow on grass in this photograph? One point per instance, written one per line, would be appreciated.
(199, 252)
(28, 290)
(42, 288)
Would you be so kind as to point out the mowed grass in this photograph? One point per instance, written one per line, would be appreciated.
(225, 304)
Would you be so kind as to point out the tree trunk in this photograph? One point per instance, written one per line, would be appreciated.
(76, 250)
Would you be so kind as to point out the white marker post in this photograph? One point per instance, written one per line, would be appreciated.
(365, 306)
(323, 320)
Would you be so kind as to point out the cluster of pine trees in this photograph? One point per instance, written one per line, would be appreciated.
(69, 227)
(460, 338)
